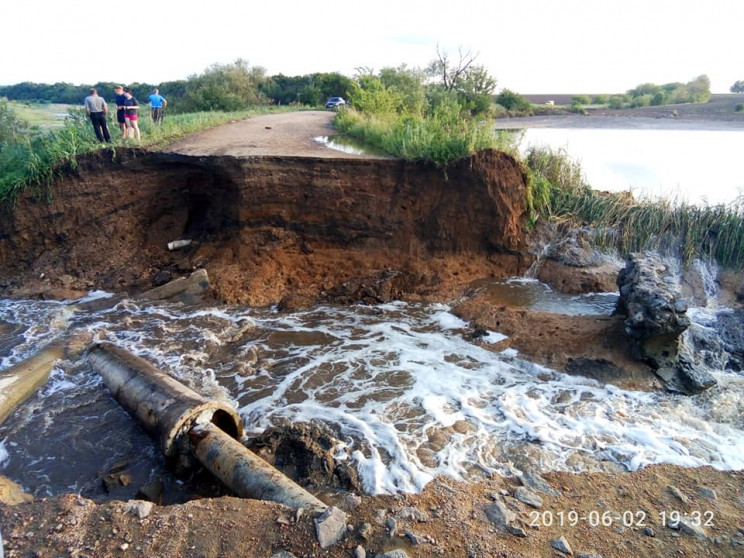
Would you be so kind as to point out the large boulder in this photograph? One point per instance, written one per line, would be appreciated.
(655, 318)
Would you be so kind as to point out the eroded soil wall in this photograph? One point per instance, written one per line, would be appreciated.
(263, 227)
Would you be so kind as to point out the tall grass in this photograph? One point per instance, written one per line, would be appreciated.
(440, 138)
(36, 159)
(559, 192)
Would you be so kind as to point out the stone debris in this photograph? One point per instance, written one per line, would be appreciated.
(330, 527)
(526, 496)
(674, 491)
(536, 483)
(412, 514)
(561, 544)
(139, 508)
(359, 552)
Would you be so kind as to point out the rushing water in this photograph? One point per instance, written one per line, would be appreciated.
(696, 166)
(406, 390)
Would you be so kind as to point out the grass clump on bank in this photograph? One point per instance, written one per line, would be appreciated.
(440, 139)
(33, 158)
(559, 192)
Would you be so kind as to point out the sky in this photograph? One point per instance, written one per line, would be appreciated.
(529, 46)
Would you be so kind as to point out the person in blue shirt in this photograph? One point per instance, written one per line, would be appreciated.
(157, 104)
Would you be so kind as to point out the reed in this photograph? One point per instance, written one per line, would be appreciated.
(622, 223)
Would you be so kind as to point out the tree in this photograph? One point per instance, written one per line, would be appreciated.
(472, 83)
(738, 87)
(225, 87)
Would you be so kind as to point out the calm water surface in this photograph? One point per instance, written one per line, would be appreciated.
(697, 166)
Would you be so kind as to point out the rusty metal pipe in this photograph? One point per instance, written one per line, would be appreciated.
(245, 473)
(166, 408)
(190, 426)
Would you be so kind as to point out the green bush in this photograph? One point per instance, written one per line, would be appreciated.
(617, 101)
(513, 101)
(600, 99)
(580, 100)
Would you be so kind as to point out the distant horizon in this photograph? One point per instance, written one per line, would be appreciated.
(559, 48)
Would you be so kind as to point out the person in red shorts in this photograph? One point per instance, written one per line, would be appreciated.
(131, 106)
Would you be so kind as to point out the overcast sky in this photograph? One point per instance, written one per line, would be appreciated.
(533, 46)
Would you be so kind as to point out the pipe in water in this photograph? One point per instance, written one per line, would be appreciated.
(166, 408)
(245, 473)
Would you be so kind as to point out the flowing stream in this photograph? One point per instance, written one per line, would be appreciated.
(407, 392)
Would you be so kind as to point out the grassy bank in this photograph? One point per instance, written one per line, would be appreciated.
(440, 138)
(35, 158)
(558, 192)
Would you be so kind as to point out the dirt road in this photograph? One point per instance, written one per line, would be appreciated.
(289, 134)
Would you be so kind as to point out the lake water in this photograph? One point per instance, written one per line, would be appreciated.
(697, 166)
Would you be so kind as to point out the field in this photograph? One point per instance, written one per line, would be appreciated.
(43, 115)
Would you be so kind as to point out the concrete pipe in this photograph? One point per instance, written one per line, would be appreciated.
(166, 408)
(245, 473)
(22, 380)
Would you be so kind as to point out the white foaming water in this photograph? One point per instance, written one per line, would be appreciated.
(408, 393)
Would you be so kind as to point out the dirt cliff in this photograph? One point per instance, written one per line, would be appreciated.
(264, 226)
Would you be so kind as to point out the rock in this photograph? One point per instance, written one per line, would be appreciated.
(162, 277)
(359, 552)
(139, 508)
(365, 531)
(655, 319)
(283, 554)
(415, 539)
(353, 501)
(391, 525)
(196, 288)
(397, 553)
(330, 527)
(305, 453)
(674, 491)
(528, 497)
(536, 483)
(708, 493)
(11, 493)
(730, 327)
(649, 532)
(293, 301)
(152, 491)
(412, 514)
(599, 369)
(500, 515)
(562, 545)
(692, 527)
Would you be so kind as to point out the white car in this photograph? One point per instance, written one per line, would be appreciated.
(335, 102)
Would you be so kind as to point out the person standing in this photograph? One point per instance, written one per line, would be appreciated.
(157, 104)
(97, 109)
(131, 106)
(120, 98)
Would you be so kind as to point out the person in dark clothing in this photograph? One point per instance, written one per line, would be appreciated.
(131, 106)
(120, 98)
(97, 110)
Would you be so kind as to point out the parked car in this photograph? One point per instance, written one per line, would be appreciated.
(335, 102)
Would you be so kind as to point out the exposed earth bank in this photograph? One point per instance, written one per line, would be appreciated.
(275, 219)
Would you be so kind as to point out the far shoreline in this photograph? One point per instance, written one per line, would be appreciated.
(604, 121)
